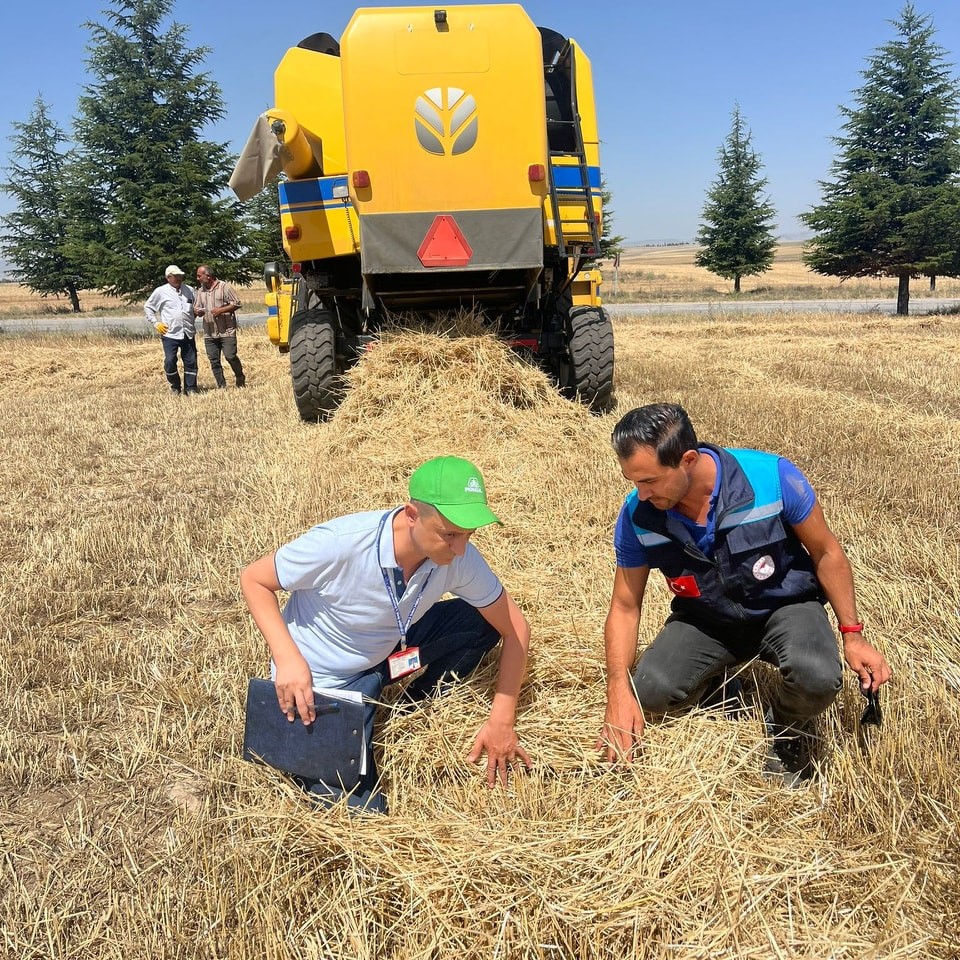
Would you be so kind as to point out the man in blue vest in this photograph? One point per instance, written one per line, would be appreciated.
(743, 544)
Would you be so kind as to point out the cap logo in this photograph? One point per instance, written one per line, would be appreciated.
(473, 486)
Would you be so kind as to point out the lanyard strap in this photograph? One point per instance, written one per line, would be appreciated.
(401, 626)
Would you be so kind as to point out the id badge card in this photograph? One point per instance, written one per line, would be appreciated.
(403, 662)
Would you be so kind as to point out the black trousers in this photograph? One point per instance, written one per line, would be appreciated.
(797, 639)
(227, 348)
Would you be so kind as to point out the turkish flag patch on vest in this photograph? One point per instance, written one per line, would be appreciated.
(683, 586)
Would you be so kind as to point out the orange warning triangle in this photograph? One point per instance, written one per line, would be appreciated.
(444, 245)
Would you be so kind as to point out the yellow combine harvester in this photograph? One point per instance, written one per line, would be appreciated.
(435, 158)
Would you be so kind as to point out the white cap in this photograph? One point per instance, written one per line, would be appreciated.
(173, 269)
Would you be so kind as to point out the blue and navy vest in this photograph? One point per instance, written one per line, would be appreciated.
(758, 562)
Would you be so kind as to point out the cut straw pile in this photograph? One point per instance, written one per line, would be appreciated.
(130, 828)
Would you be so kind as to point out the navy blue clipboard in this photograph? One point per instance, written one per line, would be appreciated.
(329, 749)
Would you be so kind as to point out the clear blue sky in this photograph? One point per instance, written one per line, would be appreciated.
(666, 76)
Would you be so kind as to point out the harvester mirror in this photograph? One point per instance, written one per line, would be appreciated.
(272, 276)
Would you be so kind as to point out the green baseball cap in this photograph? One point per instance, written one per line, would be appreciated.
(455, 487)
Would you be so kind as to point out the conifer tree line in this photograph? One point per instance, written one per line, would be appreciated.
(138, 185)
(891, 207)
(611, 244)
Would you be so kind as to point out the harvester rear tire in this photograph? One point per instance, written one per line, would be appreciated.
(317, 385)
(589, 374)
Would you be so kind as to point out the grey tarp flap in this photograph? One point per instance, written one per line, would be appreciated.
(499, 239)
(260, 162)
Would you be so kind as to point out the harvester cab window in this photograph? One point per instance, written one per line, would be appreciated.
(321, 43)
(558, 84)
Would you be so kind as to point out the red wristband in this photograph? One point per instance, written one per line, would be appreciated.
(851, 628)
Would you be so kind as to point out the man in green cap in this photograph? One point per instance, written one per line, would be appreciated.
(365, 610)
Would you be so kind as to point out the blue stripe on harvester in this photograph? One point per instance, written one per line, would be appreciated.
(306, 196)
(310, 191)
(566, 177)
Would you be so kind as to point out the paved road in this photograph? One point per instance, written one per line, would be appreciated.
(67, 324)
(734, 308)
(136, 324)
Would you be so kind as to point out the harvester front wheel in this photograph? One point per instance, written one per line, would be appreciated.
(317, 385)
(589, 374)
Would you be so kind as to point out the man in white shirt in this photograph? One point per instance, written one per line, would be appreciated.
(169, 310)
(365, 608)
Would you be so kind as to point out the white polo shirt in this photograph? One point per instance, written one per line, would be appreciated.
(339, 612)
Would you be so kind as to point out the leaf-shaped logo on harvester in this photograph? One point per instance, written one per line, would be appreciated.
(446, 121)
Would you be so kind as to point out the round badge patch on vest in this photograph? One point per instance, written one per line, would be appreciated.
(764, 568)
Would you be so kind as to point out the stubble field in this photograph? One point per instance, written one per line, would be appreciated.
(130, 828)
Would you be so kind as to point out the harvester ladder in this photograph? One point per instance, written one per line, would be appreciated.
(566, 60)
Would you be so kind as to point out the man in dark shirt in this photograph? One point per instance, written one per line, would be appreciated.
(216, 304)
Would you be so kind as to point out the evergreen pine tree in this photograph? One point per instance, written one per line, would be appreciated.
(610, 243)
(893, 207)
(34, 237)
(155, 185)
(736, 235)
(261, 219)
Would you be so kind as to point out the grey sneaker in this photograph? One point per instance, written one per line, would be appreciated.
(789, 752)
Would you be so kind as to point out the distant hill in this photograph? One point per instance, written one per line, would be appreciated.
(656, 243)
(796, 237)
